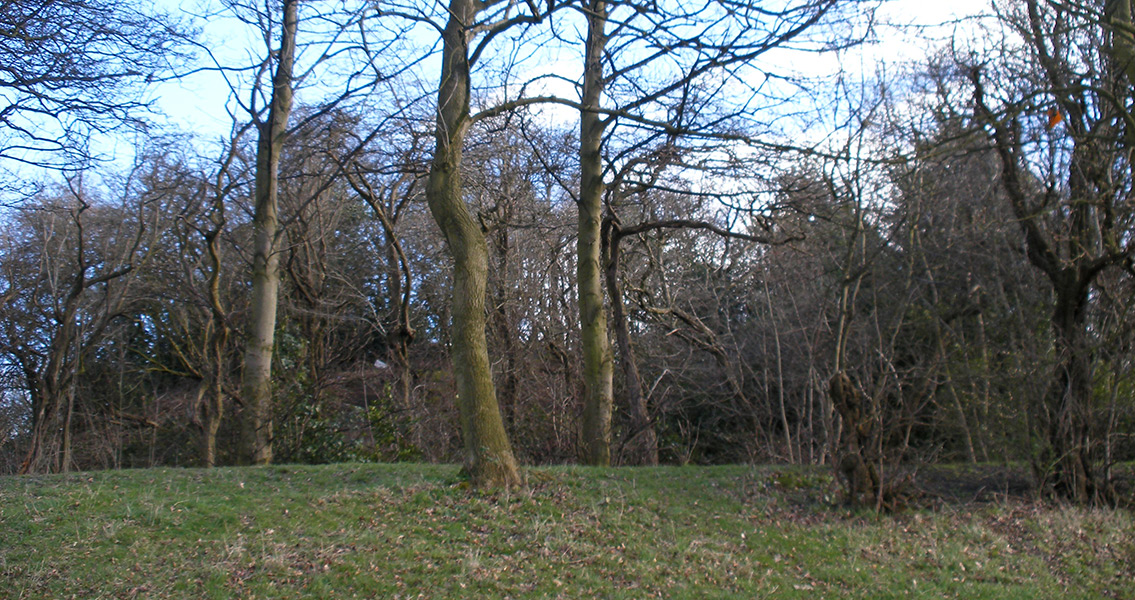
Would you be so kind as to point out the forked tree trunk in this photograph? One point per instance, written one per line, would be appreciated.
(488, 458)
(206, 422)
(856, 457)
(399, 339)
(256, 387)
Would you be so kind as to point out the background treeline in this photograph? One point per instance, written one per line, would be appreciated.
(958, 244)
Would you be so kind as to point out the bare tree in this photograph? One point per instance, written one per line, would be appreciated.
(628, 45)
(488, 454)
(73, 69)
(189, 293)
(256, 389)
(83, 255)
(1074, 208)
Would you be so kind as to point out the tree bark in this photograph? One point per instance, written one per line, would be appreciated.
(641, 447)
(779, 376)
(62, 357)
(598, 371)
(212, 405)
(488, 457)
(1069, 398)
(505, 333)
(256, 388)
(857, 459)
(53, 382)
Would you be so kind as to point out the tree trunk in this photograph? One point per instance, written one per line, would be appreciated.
(213, 405)
(42, 455)
(641, 447)
(65, 455)
(1068, 400)
(504, 331)
(256, 389)
(398, 341)
(205, 423)
(598, 372)
(211, 402)
(857, 459)
(488, 456)
(779, 376)
(36, 459)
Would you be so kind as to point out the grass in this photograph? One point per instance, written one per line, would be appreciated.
(415, 531)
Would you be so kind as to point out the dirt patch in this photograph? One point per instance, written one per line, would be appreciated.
(975, 483)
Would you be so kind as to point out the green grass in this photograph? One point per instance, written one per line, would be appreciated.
(409, 531)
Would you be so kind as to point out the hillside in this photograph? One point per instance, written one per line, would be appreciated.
(415, 531)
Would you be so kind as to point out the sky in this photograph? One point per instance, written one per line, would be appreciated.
(200, 104)
(197, 104)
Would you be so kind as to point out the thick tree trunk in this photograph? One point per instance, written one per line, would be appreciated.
(399, 339)
(856, 459)
(36, 460)
(1066, 411)
(488, 456)
(35, 394)
(256, 388)
(598, 372)
(43, 453)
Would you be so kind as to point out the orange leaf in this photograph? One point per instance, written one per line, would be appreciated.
(1054, 118)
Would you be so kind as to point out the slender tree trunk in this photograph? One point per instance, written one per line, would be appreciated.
(598, 372)
(399, 285)
(256, 389)
(963, 421)
(211, 399)
(642, 441)
(505, 334)
(488, 454)
(779, 377)
(400, 338)
(983, 435)
(213, 403)
(68, 414)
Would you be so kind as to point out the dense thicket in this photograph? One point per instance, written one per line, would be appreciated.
(887, 296)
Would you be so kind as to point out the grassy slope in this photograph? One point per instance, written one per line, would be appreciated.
(389, 531)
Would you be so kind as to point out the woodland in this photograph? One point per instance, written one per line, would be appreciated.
(501, 233)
